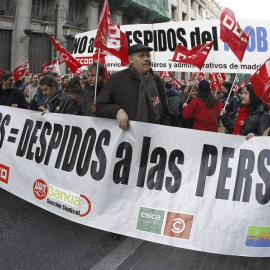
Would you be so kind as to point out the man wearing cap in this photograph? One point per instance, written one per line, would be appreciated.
(135, 93)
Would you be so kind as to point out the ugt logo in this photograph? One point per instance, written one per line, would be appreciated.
(4, 173)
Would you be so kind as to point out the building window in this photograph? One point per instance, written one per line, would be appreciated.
(173, 12)
(43, 10)
(40, 51)
(76, 13)
(5, 49)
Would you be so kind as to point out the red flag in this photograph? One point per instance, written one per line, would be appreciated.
(165, 75)
(260, 81)
(21, 70)
(1, 71)
(232, 34)
(71, 62)
(237, 86)
(79, 73)
(176, 82)
(195, 75)
(51, 66)
(110, 38)
(216, 79)
(196, 56)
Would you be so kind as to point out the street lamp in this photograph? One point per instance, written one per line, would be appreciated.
(27, 32)
(44, 26)
(66, 29)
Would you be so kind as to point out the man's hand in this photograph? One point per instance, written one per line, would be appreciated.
(43, 110)
(222, 112)
(250, 135)
(122, 119)
(185, 104)
(93, 108)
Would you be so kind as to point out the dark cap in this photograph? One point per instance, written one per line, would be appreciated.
(204, 86)
(138, 47)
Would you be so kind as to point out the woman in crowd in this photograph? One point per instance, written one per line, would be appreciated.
(252, 118)
(204, 110)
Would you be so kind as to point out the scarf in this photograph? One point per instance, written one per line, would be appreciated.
(48, 103)
(241, 119)
(148, 90)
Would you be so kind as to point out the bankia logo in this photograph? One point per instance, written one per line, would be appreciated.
(258, 236)
(178, 225)
(150, 220)
(61, 198)
(4, 173)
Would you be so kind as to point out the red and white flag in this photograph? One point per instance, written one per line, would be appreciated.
(110, 38)
(196, 76)
(51, 66)
(173, 80)
(260, 81)
(216, 79)
(196, 56)
(238, 85)
(165, 75)
(21, 70)
(71, 62)
(232, 34)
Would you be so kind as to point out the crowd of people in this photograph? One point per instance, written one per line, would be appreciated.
(138, 94)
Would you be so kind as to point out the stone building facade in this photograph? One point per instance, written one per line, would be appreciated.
(23, 23)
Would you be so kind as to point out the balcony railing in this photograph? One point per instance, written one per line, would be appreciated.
(43, 14)
(7, 8)
(77, 20)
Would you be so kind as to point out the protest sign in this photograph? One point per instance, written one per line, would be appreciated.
(185, 188)
(164, 38)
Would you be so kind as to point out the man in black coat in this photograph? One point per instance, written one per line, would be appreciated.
(135, 93)
(231, 102)
(10, 96)
(55, 100)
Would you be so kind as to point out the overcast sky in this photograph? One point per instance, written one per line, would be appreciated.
(248, 9)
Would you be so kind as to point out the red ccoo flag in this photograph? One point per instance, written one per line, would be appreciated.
(52, 66)
(196, 56)
(110, 38)
(71, 62)
(21, 70)
(260, 81)
(232, 34)
(216, 79)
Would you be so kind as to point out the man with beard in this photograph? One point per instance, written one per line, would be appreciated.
(55, 100)
(88, 96)
(135, 93)
(8, 95)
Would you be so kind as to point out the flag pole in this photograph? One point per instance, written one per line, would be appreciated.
(95, 97)
(232, 86)
(192, 86)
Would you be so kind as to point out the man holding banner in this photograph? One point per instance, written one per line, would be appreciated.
(135, 93)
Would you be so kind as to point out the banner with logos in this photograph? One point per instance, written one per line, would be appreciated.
(185, 188)
(164, 37)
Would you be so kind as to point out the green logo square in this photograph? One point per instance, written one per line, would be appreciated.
(150, 220)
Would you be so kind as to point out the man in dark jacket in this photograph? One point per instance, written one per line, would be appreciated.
(88, 96)
(231, 102)
(174, 102)
(10, 96)
(75, 89)
(54, 98)
(135, 93)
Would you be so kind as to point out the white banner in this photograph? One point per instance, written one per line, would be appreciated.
(164, 37)
(185, 188)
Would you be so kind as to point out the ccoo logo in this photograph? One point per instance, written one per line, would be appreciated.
(4, 173)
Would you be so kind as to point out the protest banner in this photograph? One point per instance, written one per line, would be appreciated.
(164, 38)
(185, 188)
